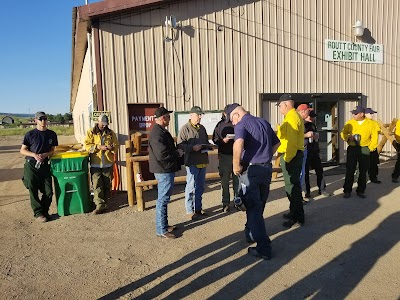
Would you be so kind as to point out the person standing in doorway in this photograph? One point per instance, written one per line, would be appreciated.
(291, 135)
(255, 144)
(102, 144)
(223, 137)
(374, 156)
(38, 145)
(313, 160)
(362, 137)
(193, 140)
(163, 162)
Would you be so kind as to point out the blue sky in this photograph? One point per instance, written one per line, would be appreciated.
(35, 55)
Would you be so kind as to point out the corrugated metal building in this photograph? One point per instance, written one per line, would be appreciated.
(212, 53)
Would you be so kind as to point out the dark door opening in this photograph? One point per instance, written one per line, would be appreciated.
(331, 114)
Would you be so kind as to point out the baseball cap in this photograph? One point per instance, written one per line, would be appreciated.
(284, 97)
(369, 110)
(197, 110)
(228, 109)
(40, 114)
(161, 111)
(358, 109)
(303, 107)
(103, 119)
(312, 114)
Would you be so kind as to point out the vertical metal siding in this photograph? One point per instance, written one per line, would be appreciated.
(231, 51)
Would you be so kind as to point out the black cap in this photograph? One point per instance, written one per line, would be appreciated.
(357, 110)
(228, 109)
(284, 97)
(161, 111)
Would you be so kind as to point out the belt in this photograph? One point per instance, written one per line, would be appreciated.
(260, 164)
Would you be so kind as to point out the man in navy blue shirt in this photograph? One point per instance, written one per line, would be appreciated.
(255, 143)
(38, 145)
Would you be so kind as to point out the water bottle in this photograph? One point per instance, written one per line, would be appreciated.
(239, 204)
(37, 165)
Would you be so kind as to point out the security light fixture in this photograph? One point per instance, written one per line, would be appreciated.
(358, 28)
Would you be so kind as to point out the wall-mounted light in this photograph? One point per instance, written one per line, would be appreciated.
(358, 28)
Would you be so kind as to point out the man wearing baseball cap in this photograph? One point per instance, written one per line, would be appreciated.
(374, 156)
(102, 145)
(253, 149)
(291, 135)
(163, 162)
(193, 139)
(362, 137)
(38, 145)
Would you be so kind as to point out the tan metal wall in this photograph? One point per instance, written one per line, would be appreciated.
(231, 51)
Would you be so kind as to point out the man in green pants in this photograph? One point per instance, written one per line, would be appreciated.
(102, 144)
(291, 135)
(38, 145)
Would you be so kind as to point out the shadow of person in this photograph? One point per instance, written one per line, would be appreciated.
(342, 274)
(205, 267)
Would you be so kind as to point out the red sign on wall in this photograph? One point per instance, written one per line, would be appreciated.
(141, 116)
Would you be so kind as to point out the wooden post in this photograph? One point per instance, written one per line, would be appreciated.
(137, 143)
(138, 189)
(129, 178)
(387, 134)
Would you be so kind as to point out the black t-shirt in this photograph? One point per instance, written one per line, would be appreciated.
(40, 141)
(310, 126)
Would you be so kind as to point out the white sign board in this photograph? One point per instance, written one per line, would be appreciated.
(209, 120)
(353, 52)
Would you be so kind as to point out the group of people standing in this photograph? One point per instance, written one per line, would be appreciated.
(246, 145)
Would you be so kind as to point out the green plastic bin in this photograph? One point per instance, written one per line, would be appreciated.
(71, 180)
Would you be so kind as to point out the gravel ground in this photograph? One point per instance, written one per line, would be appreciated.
(348, 248)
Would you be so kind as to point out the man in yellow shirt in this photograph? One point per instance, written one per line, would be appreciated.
(396, 171)
(291, 135)
(362, 137)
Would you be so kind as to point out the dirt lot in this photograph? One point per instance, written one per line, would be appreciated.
(348, 248)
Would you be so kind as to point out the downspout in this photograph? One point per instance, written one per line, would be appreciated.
(99, 82)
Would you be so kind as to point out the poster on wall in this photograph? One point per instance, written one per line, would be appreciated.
(209, 120)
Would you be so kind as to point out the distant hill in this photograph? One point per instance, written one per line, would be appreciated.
(17, 115)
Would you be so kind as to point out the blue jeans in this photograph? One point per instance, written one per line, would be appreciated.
(195, 185)
(257, 180)
(165, 186)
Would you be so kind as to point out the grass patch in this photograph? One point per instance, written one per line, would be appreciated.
(60, 130)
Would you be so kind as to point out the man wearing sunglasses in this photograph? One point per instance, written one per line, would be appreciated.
(38, 145)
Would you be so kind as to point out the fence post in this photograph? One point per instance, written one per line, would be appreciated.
(129, 179)
(138, 189)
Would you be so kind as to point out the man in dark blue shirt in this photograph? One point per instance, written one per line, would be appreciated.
(38, 145)
(255, 143)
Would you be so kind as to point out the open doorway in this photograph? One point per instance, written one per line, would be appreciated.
(332, 113)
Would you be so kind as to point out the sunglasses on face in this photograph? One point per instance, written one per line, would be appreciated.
(42, 119)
